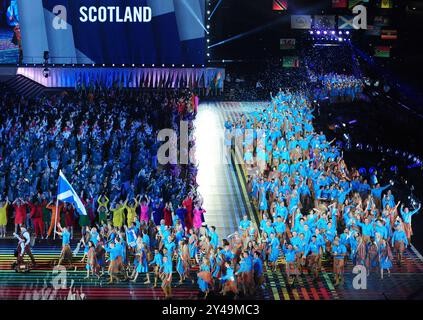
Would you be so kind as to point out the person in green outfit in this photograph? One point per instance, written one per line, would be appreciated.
(102, 209)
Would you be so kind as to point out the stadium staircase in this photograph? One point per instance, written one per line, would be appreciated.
(26, 87)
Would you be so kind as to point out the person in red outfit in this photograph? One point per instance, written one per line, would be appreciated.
(20, 213)
(187, 203)
(167, 213)
(69, 217)
(36, 215)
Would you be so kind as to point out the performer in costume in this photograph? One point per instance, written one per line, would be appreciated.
(399, 242)
(24, 247)
(92, 264)
(3, 217)
(338, 251)
(157, 262)
(166, 276)
(205, 279)
(141, 265)
(228, 280)
(66, 253)
(385, 258)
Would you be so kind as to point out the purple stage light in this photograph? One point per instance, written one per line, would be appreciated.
(318, 32)
(333, 32)
(325, 32)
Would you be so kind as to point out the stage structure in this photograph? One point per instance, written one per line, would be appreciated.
(192, 78)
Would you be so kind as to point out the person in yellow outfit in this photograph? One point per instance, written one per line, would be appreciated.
(119, 214)
(132, 213)
(3, 217)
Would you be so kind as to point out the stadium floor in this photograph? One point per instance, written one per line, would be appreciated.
(226, 201)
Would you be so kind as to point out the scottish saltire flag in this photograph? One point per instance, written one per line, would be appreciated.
(345, 22)
(66, 193)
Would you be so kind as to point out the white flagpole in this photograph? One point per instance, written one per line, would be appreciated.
(55, 219)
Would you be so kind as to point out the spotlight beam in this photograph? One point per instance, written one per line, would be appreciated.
(252, 31)
(194, 15)
(215, 8)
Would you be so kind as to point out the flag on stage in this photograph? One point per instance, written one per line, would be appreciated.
(389, 35)
(324, 22)
(291, 62)
(382, 51)
(386, 4)
(66, 193)
(280, 5)
(345, 22)
(381, 21)
(373, 30)
(287, 44)
(300, 21)
(339, 3)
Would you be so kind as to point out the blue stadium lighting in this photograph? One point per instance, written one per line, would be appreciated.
(340, 32)
(311, 32)
(318, 32)
(325, 32)
(333, 32)
(347, 32)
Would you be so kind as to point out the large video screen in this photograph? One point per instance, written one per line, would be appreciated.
(103, 31)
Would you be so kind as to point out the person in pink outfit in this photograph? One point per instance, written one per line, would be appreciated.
(198, 217)
(144, 210)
